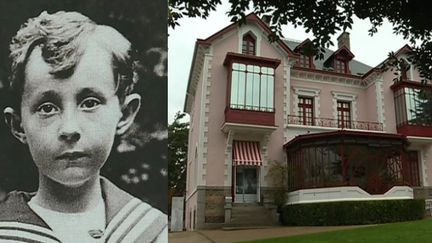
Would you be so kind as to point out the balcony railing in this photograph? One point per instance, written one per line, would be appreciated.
(331, 122)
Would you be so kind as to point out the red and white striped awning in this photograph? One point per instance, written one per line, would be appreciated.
(246, 153)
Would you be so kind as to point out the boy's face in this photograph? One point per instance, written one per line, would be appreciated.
(69, 124)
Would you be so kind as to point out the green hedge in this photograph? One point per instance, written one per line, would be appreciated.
(353, 212)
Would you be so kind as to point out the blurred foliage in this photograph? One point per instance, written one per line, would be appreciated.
(178, 132)
(137, 163)
(410, 18)
(278, 177)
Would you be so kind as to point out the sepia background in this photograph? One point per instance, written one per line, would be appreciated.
(137, 162)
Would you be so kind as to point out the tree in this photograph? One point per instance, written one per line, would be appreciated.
(278, 175)
(410, 18)
(178, 132)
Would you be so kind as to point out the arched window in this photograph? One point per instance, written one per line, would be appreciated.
(248, 45)
(404, 68)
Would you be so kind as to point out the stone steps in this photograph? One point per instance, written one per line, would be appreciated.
(250, 216)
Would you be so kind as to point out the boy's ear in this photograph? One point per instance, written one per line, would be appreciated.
(13, 120)
(130, 109)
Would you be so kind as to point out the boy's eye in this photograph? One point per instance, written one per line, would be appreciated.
(90, 103)
(47, 109)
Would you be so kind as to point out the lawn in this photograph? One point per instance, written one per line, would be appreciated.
(412, 231)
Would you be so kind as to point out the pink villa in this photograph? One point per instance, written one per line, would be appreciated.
(346, 131)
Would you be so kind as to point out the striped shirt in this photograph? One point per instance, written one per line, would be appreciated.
(128, 219)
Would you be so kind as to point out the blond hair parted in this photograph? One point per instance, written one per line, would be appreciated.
(63, 38)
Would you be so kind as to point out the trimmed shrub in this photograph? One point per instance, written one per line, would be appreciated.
(353, 212)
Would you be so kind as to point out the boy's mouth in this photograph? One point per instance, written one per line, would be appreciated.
(71, 155)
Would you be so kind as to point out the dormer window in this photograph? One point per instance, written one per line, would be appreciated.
(340, 66)
(306, 51)
(249, 44)
(340, 60)
(305, 61)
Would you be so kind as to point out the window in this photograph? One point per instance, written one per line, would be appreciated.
(305, 61)
(344, 114)
(411, 168)
(252, 87)
(413, 106)
(340, 66)
(404, 68)
(248, 45)
(306, 114)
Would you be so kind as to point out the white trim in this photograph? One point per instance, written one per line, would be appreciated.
(264, 144)
(329, 128)
(422, 168)
(426, 160)
(256, 32)
(203, 126)
(419, 139)
(380, 100)
(342, 96)
(324, 78)
(286, 92)
(346, 193)
(241, 127)
(228, 159)
(307, 92)
(191, 194)
(411, 72)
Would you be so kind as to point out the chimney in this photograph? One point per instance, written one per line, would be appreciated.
(344, 40)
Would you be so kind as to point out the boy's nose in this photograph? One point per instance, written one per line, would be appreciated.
(72, 136)
(69, 130)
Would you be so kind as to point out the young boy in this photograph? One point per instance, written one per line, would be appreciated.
(73, 80)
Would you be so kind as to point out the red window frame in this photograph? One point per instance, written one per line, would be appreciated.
(248, 45)
(305, 61)
(411, 168)
(344, 114)
(306, 110)
(340, 66)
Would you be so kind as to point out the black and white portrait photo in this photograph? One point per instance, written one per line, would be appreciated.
(84, 103)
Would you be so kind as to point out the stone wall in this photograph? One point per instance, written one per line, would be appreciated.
(215, 203)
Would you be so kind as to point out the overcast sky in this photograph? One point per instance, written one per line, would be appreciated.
(181, 42)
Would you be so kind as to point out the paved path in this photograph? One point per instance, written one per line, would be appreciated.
(221, 236)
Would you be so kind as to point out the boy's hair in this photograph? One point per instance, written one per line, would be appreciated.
(62, 37)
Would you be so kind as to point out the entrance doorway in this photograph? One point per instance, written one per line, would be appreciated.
(246, 184)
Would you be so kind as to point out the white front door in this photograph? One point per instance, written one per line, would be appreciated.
(246, 184)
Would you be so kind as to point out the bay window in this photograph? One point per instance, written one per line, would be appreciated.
(413, 106)
(252, 87)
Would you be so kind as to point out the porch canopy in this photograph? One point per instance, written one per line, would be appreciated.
(246, 153)
(372, 161)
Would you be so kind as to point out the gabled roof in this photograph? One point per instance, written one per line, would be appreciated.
(404, 49)
(249, 18)
(202, 43)
(343, 51)
(302, 44)
(356, 67)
